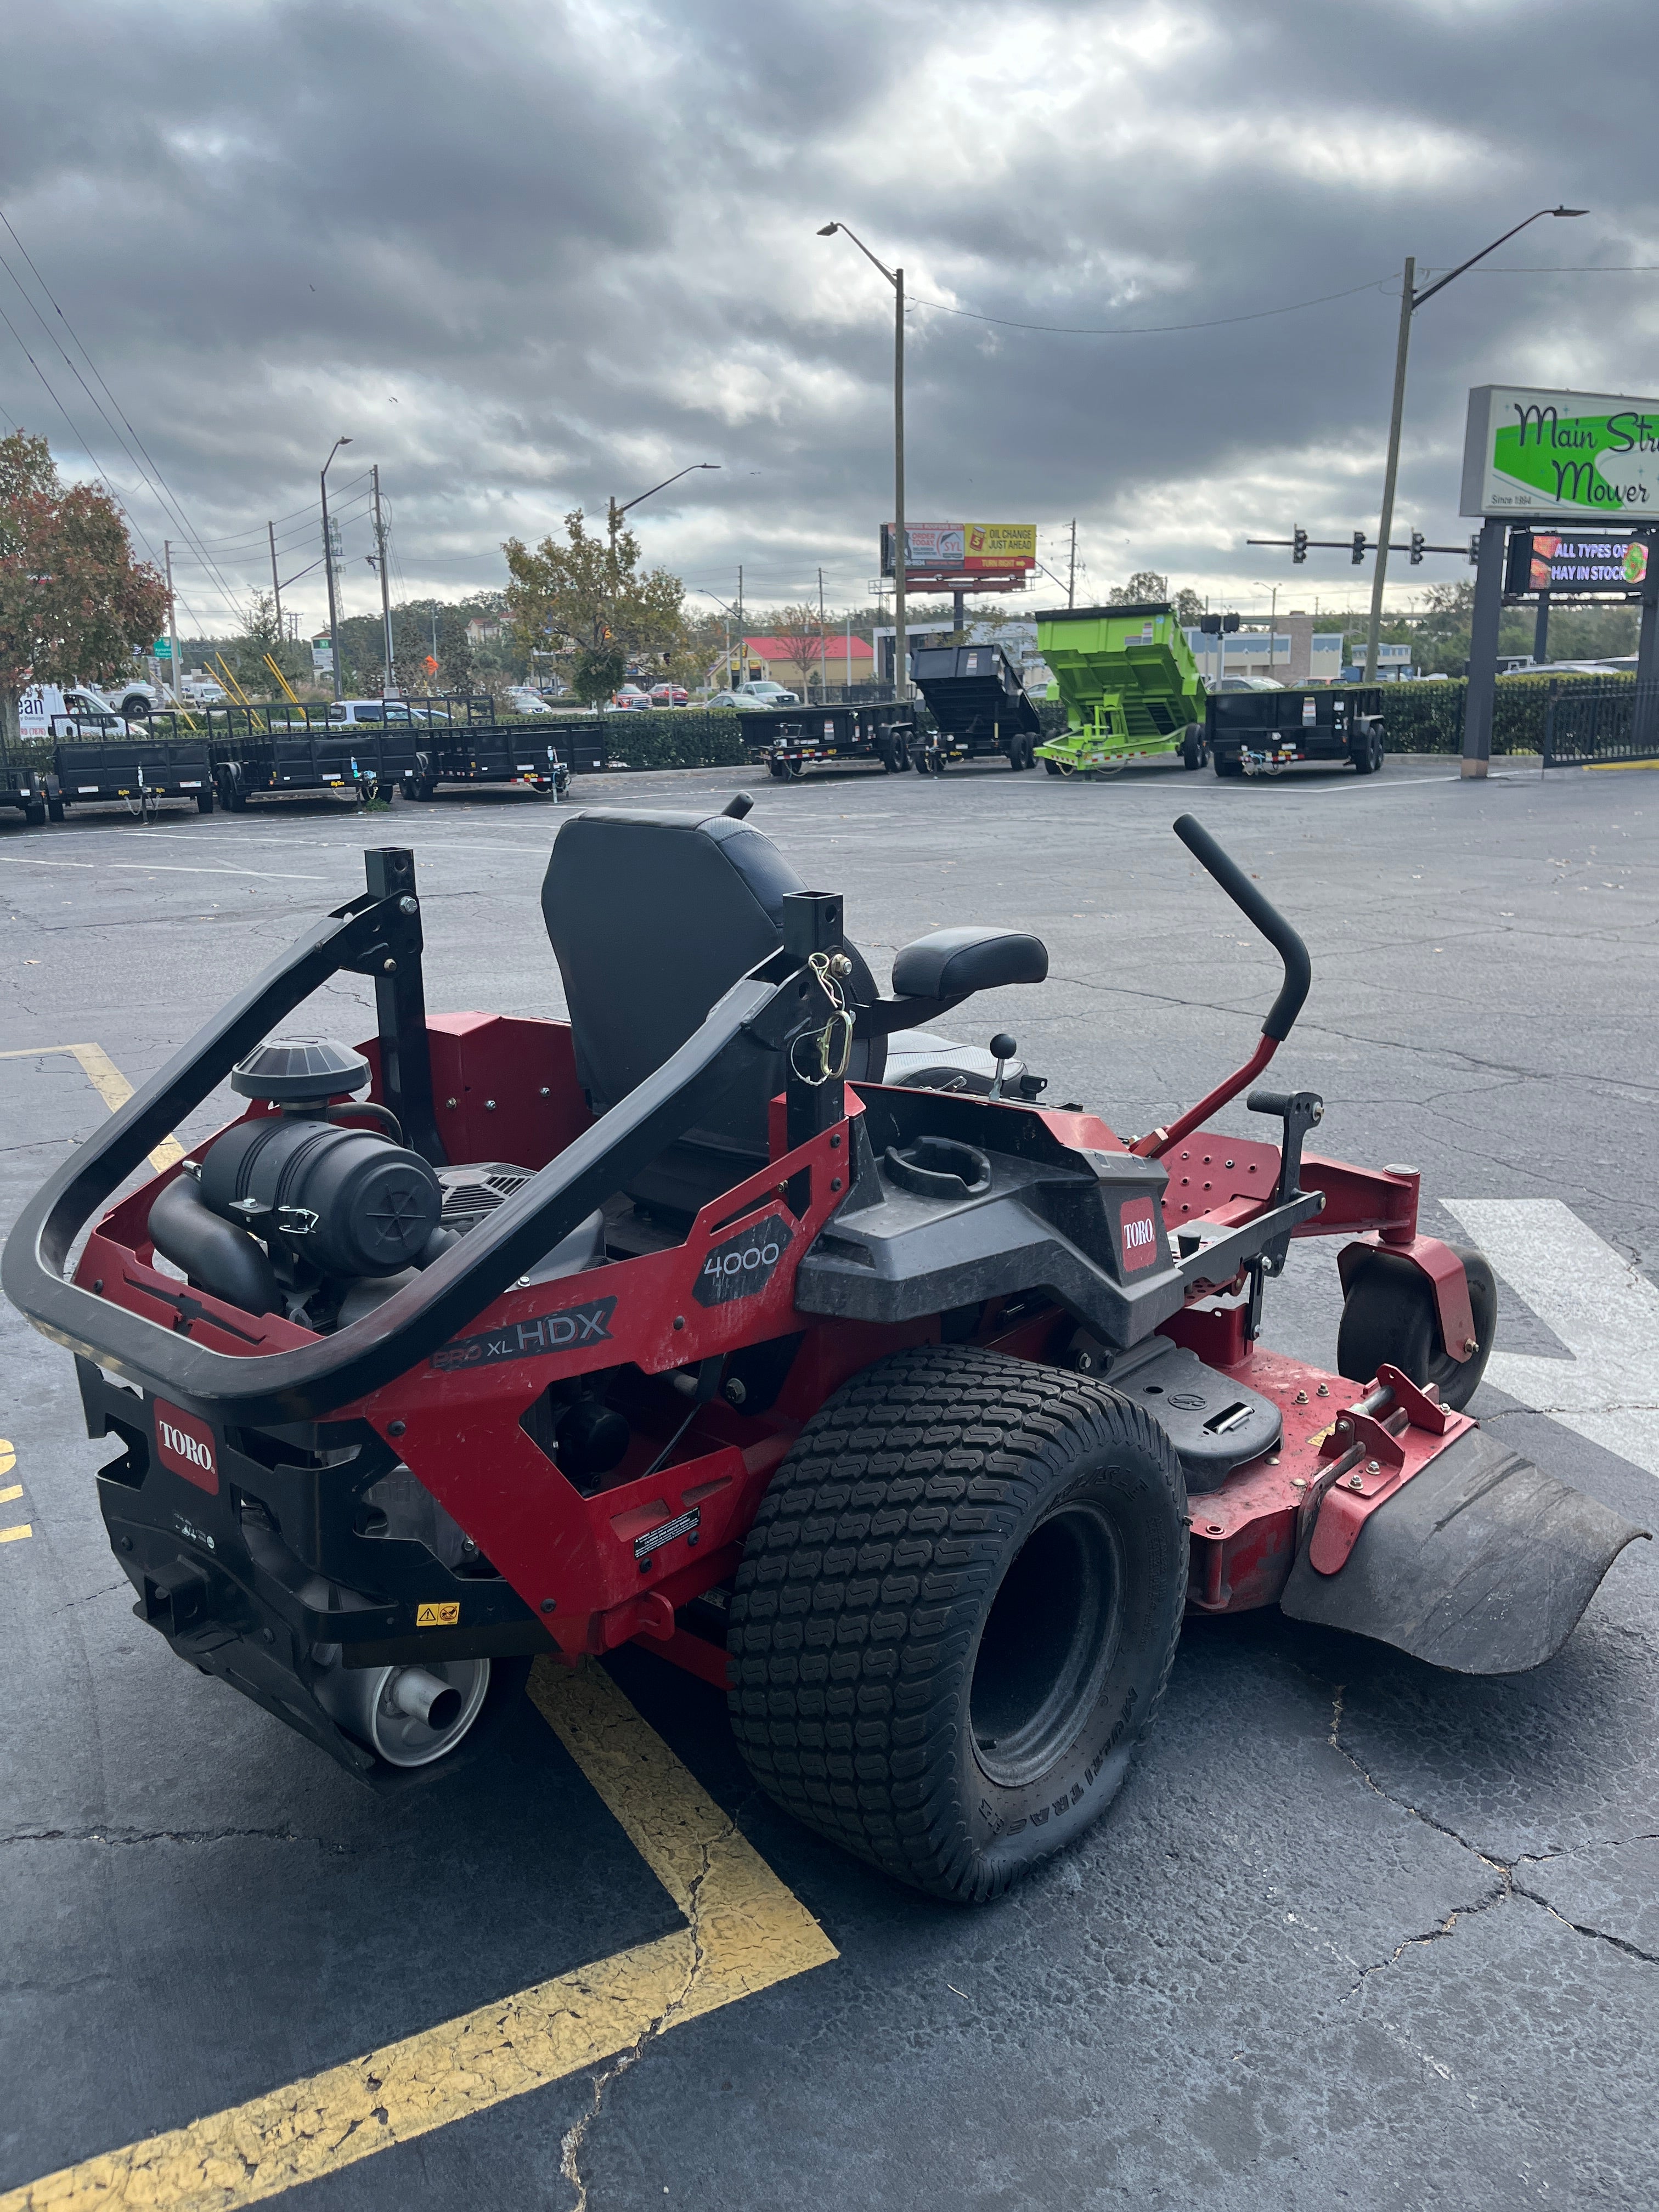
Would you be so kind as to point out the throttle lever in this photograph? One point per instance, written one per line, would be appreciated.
(1299, 1111)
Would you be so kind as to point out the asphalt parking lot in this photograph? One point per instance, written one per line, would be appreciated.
(1355, 1933)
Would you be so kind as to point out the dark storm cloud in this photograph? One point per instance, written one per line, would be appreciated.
(528, 255)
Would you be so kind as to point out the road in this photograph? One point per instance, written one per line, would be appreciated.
(1355, 1933)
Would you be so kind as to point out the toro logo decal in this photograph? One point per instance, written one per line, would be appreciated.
(185, 1444)
(526, 1340)
(1140, 1235)
(744, 1265)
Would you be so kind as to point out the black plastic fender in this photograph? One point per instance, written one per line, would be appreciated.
(1482, 1563)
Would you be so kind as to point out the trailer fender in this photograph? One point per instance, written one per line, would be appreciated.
(1481, 1563)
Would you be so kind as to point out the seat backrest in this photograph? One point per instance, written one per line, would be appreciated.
(652, 917)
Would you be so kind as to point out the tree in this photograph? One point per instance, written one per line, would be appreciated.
(75, 606)
(1188, 607)
(260, 640)
(798, 627)
(1145, 585)
(589, 593)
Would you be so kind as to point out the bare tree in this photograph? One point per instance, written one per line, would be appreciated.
(798, 627)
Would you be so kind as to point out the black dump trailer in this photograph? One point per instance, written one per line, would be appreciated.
(1261, 732)
(139, 772)
(791, 739)
(979, 705)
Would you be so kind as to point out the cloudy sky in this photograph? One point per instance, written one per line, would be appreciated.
(527, 253)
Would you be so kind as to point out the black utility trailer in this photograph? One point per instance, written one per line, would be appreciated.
(318, 759)
(139, 772)
(525, 752)
(791, 739)
(1259, 732)
(979, 705)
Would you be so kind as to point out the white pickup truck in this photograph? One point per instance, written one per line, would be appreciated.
(46, 711)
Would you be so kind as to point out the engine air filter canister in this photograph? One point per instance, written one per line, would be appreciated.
(349, 1200)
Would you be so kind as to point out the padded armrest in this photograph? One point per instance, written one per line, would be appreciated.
(953, 964)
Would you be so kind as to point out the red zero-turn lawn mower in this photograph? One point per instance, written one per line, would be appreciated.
(914, 1415)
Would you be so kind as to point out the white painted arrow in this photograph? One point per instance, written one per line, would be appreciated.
(1603, 1309)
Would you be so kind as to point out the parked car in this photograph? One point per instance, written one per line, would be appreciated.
(742, 701)
(628, 698)
(376, 711)
(765, 693)
(670, 695)
(1245, 683)
(519, 699)
(88, 721)
(130, 698)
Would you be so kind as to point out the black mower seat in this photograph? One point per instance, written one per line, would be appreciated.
(653, 917)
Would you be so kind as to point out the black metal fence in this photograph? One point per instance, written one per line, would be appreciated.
(1586, 725)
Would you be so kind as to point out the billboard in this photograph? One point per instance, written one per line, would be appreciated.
(933, 550)
(1527, 452)
(1574, 562)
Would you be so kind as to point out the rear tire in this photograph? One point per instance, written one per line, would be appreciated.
(1053, 767)
(1192, 746)
(35, 814)
(1389, 1313)
(956, 1614)
(1226, 764)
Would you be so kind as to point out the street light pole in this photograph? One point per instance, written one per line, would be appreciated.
(1410, 300)
(385, 589)
(901, 640)
(328, 569)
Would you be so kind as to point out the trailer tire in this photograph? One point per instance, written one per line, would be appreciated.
(896, 756)
(1367, 751)
(1193, 748)
(1053, 767)
(1388, 1313)
(1226, 764)
(204, 801)
(35, 813)
(55, 809)
(956, 1614)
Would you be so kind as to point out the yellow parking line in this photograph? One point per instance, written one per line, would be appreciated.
(16, 1535)
(108, 1080)
(745, 1931)
(16, 1491)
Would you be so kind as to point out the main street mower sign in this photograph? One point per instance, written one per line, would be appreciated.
(1531, 453)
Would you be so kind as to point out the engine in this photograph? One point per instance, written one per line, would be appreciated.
(302, 1211)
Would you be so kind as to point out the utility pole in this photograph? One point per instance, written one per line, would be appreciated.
(275, 580)
(328, 568)
(901, 649)
(385, 589)
(173, 626)
(1071, 574)
(743, 641)
(824, 679)
(1408, 302)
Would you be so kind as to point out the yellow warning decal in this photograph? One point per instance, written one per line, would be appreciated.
(437, 1616)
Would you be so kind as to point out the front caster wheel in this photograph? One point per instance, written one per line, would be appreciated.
(1388, 1313)
(956, 1612)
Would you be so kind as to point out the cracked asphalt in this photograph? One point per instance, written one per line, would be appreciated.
(1355, 1932)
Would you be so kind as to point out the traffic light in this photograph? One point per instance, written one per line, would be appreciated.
(1230, 624)
(1417, 548)
(1358, 553)
(1299, 544)
(1475, 549)
(1211, 625)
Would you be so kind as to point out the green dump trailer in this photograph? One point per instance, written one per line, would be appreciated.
(1131, 687)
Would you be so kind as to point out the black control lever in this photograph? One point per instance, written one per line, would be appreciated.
(1299, 1111)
